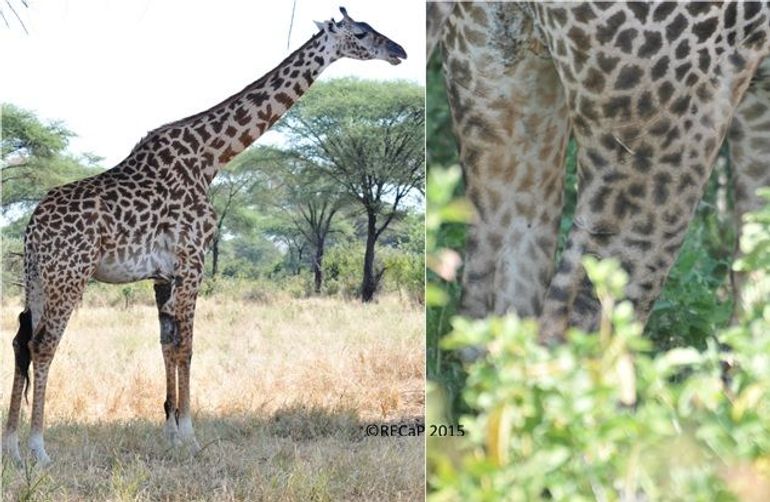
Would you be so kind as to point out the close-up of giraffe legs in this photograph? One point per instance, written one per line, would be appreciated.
(49, 309)
(643, 318)
(511, 118)
(646, 149)
(633, 122)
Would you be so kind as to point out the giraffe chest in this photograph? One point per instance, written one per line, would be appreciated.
(135, 258)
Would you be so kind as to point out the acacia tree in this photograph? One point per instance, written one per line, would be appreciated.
(368, 137)
(273, 189)
(34, 159)
(312, 204)
(238, 190)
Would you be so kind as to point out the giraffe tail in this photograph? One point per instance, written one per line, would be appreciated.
(21, 348)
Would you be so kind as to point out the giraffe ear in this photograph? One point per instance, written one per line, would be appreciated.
(320, 25)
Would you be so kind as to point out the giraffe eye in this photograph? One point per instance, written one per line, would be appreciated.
(360, 36)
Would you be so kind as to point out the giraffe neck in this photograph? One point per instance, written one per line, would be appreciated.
(225, 130)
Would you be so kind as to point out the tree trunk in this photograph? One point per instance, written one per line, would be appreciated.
(298, 268)
(369, 283)
(318, 270)
(215, 256)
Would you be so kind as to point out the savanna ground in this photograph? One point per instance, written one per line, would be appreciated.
(281, 390)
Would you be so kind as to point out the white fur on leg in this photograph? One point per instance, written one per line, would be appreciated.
(187, 434)
(11, 446)
(171, 431)
(37, 446)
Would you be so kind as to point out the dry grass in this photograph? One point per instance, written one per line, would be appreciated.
(280, 392)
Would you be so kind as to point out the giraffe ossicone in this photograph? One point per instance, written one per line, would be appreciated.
(150, 217)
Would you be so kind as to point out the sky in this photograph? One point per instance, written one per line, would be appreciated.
(114, 70)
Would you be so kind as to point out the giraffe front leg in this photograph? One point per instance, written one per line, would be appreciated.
(510, 119)
(176, 307)
(176, 343)
(169, 338)
(170, 428)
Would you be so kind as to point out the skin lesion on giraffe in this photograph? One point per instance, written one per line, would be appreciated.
(169, 330)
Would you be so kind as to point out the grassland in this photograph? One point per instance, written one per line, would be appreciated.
(280, 390)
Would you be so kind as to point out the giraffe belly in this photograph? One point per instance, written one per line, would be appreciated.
(116, 269)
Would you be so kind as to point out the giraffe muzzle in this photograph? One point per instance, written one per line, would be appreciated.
(396, 53)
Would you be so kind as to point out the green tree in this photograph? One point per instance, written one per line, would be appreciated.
(239, 192)
(368, 137)
(34, 159)
(311, 204)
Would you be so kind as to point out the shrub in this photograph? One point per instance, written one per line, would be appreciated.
(603, 416)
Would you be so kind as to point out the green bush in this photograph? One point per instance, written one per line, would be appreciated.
(343, 266)
(604, 416)
(404, 273)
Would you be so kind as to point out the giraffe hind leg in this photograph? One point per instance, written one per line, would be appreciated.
(22, 358)
(497, 89)
(29, 320)
(58, 303)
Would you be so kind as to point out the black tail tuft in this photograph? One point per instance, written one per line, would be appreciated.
(21, 347)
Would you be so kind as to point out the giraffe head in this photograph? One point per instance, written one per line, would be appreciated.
(358, 40)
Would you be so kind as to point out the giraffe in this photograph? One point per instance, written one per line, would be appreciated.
(648, 91)
(150, 217)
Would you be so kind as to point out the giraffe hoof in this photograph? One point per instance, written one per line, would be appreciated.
(41, 458)
(173, 438)
(37, 447)
(171, 432)
(11, 448)
(187, 434)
